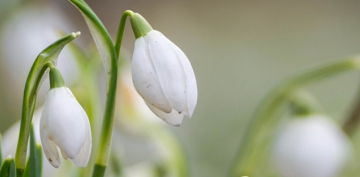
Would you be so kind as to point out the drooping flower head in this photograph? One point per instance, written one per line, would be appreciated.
(162, 74)
(64, 125)
(311, 146)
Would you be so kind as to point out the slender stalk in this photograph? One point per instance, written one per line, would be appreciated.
(354, 118)
(109, 55)
(28, 110)
(121, 30)
(45, 59)
(253, 148)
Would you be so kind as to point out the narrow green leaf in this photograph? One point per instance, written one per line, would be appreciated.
(8, 168)
(100, 34)
(39, 158)
(109, 57)
(33, 166)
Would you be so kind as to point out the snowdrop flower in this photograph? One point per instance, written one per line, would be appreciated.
(162, 74)
(311, 146)
(64, 124)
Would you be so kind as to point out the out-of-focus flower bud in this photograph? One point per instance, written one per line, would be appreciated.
(311, 146)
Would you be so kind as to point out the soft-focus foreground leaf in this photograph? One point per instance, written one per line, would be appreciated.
(8, 168)
(34, 164)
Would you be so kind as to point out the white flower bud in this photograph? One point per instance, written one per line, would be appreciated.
(311, 146)
(163, 76)
(64, 124)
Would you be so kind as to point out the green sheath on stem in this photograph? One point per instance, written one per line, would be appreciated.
(139, 25)
(56, 80)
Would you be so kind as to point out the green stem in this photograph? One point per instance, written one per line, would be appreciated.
(106, 49)
(29, 103)
(46, 58)
(253, 149)
(99, 170)
(121, 30)
(302, 103)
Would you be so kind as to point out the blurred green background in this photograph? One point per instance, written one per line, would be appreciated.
(239, 50)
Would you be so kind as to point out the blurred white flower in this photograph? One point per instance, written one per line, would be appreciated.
(311, 146)
(164, 78)
(65, 124)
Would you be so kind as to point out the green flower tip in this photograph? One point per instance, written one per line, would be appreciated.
(56, 80)
(139, 25)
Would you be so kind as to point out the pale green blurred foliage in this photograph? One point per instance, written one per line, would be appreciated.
(238, 50)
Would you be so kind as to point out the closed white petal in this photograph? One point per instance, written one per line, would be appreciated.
(168, 69)
(49, 146)
(82, 159)
(173, 118)
(191, 86)
(145, 78)
(64, 154)
(65, 123)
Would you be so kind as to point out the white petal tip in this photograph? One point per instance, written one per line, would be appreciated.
(175, 125)
(54, 163)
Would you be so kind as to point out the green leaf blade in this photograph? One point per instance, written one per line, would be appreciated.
(34, 163)
(8, 168)
(100, 35)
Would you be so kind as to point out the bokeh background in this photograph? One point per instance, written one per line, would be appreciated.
(239, 50)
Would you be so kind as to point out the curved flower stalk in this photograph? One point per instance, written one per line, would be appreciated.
(109, 53)
(109, 57)
(48, 57)
(64, 124)
(311, 146)
(162, 74)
